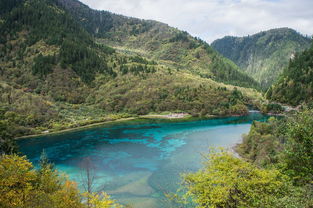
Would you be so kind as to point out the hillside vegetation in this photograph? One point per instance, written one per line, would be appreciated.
(57, 72)
(275, 169)
(158, 41)
(285, 143)
(295, 85)
(264, 55)
(64, 65)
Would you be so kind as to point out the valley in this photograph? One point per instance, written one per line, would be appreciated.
(102, 110)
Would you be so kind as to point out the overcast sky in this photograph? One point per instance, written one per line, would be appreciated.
(212, 19)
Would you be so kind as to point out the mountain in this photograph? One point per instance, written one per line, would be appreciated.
(295, 85)
(58, 69)
(263, 55)
(158, 41)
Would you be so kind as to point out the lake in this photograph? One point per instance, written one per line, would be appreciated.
(137, 161)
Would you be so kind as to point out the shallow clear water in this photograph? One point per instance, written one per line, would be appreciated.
(137, 161)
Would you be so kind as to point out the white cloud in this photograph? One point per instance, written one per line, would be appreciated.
(212, 19)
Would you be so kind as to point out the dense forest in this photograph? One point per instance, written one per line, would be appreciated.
(295, 85)
(263, 55)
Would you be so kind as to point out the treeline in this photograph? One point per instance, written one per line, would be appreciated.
(180, 36)
(137, 69)
(296, 83)
(101, 23)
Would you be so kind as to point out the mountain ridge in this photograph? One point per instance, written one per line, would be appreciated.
(264, 54)
(160, 42)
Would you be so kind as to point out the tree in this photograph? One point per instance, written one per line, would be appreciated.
(16, 181)
(7, 143)
(43, 65)
(88, 177)
(22, 186)
(298, 154)
(227, 181)
(44, 161)
(88, 174)
(286, 143)
(101, 200)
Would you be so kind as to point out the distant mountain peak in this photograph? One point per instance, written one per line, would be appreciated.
(263, 55)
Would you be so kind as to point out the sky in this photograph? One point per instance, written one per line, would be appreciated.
(213, 19)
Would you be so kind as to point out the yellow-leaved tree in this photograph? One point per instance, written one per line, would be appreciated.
(230, 182)
(16, 181)
(22, 186)
(101, 200)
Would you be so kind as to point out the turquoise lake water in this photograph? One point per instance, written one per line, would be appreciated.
(137, 161)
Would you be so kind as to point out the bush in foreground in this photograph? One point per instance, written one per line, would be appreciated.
(227, 181)
(23, 186)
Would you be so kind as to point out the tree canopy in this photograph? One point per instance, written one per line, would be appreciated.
(23, 186)
(227, 181)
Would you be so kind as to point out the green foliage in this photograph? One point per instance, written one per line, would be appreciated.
(272, 108)
(84, 61)
(96, 23)
(23, 186)
(44, 21)
(230, 74)
(296, 84)
(263, 55)
(286, 143)
(263, 143)
(8, 5)
(298, 154)
(43, 65)
(7, 144)
(159, 92)
(176, 48)
(227, 181)
(141, 60)
(181, 36)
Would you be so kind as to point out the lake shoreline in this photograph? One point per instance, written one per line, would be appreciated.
(168, 117)
(184, 117)
(74, 128)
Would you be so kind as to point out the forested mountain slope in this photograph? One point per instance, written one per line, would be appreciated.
(295, 86)
(55, 73)
(158, 41)
(263, 55)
